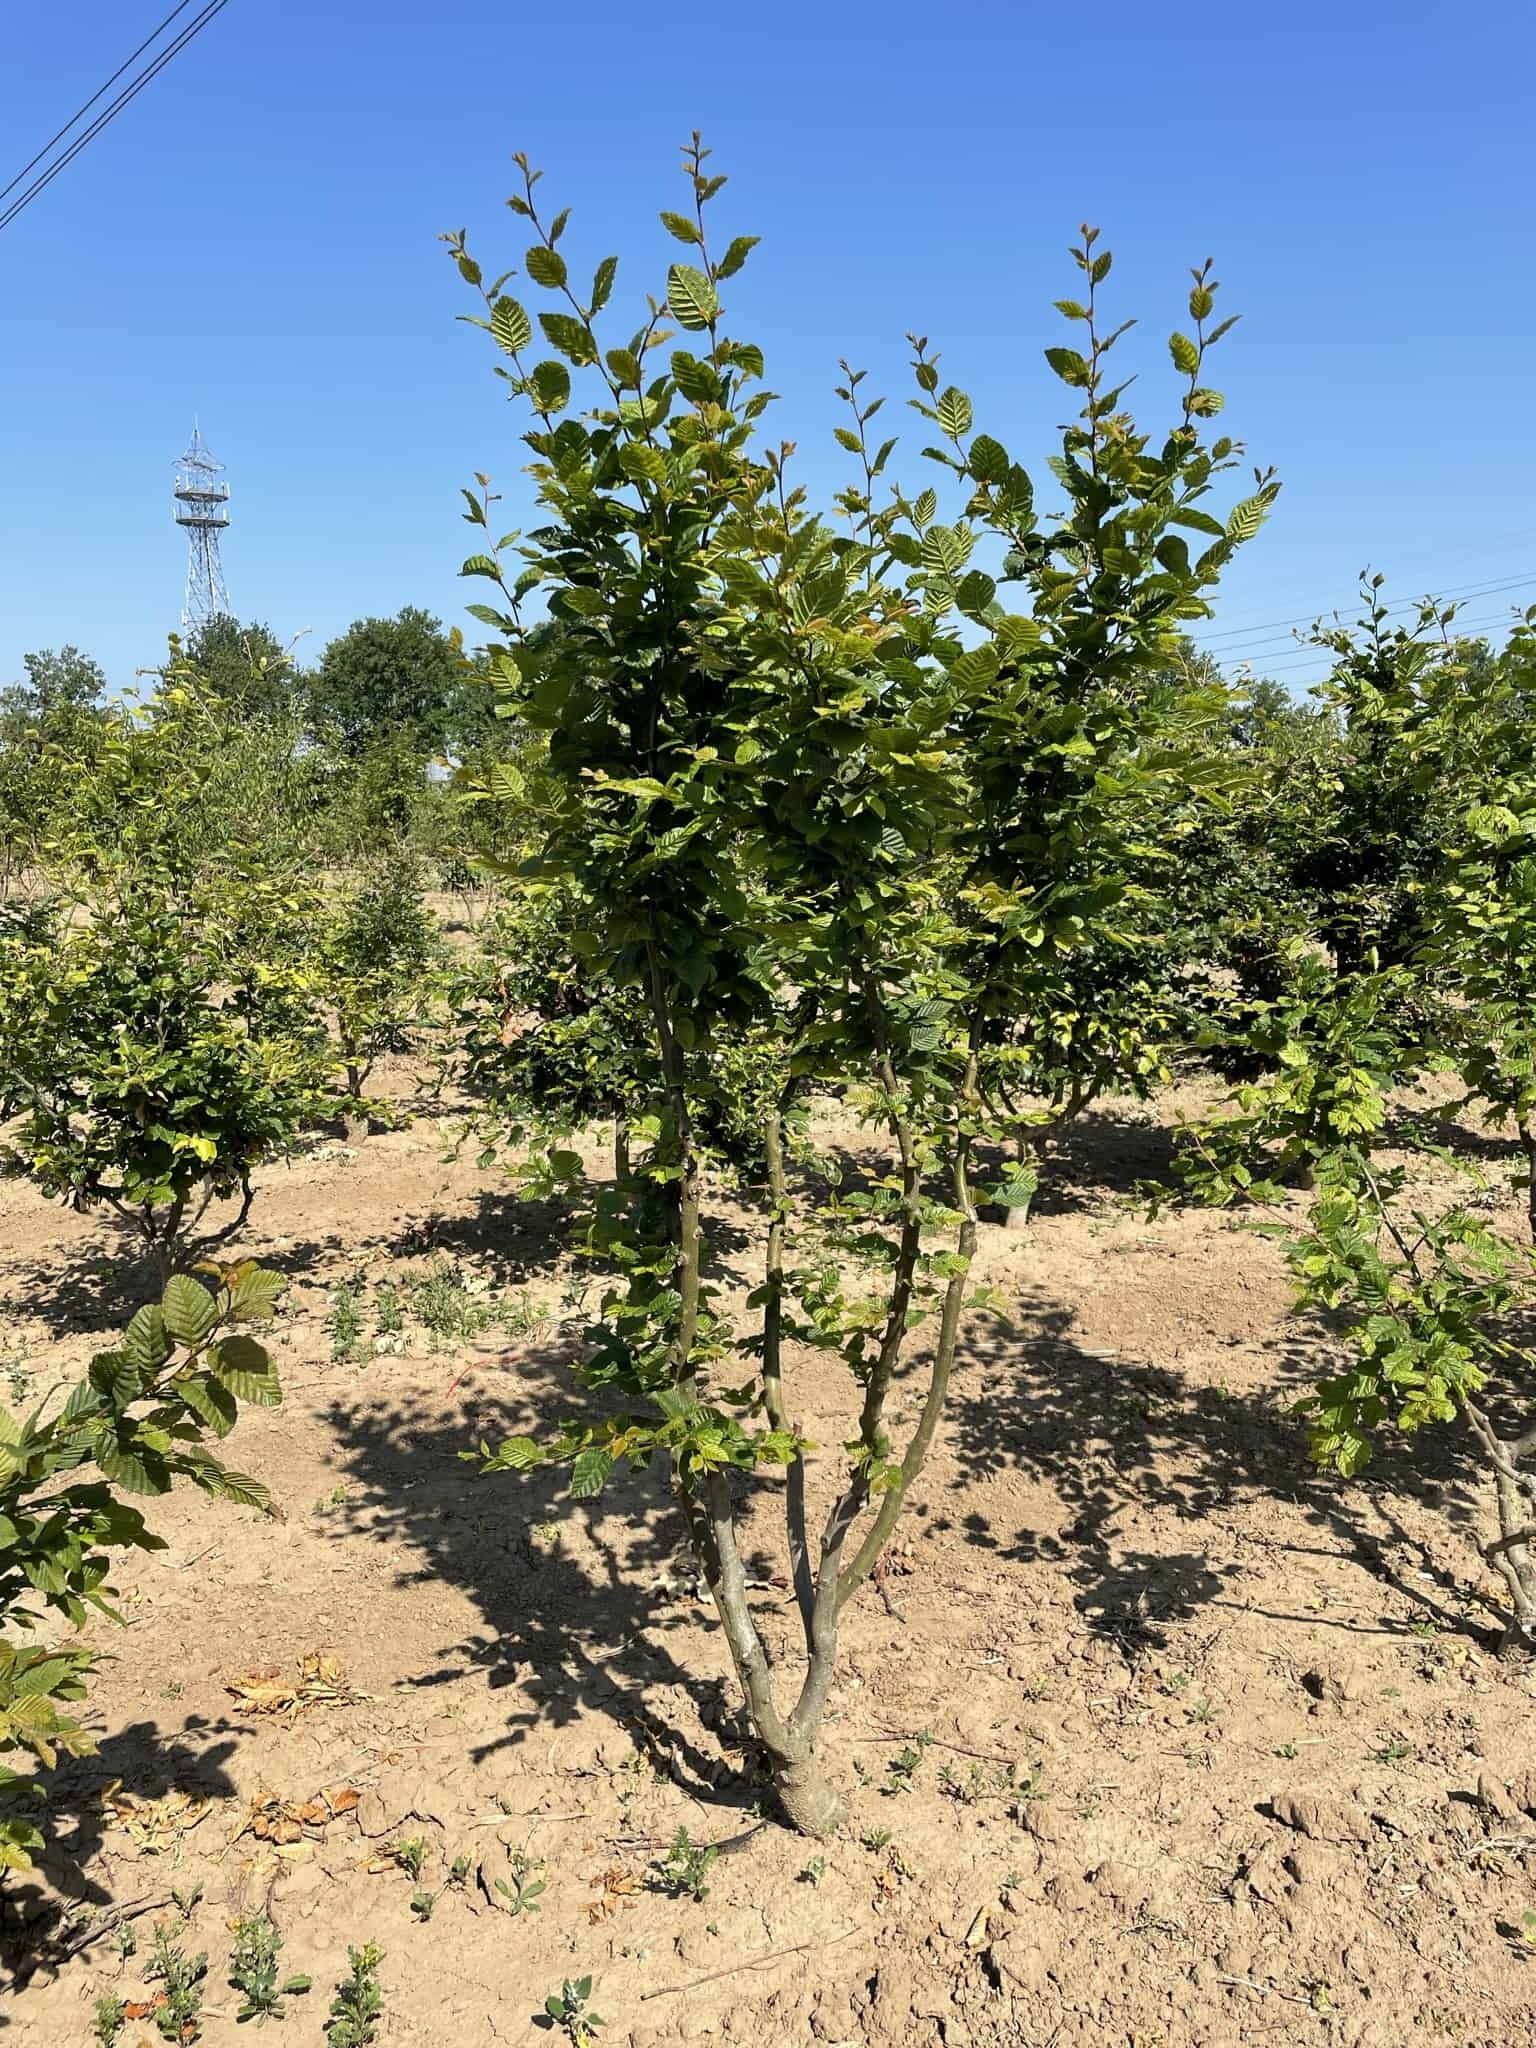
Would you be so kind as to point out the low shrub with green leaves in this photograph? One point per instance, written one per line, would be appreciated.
(140, 1421)
(133, 1071)
(380, 956)
(1431, 1307)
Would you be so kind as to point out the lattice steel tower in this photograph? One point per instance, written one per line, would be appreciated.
(202, 507)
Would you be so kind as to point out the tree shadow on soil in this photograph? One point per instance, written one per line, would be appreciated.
(1117, 1436)
(578, 1598)
(39, 1926)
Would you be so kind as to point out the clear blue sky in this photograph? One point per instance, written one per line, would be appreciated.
(254, 240)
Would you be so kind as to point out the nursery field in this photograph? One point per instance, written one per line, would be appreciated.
(1152, 1736)
(801, 1304)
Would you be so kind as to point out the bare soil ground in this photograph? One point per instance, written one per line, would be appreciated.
(1217, 1749)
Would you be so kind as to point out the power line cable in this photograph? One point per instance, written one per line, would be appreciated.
(129, 93)
(153, 37)
(1408, 604)
(1317, 658)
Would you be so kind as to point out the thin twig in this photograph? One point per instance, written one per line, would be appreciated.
(1268, 1990)
(107, 1922)
(774, 1955)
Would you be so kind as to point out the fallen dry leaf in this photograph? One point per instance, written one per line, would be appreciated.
(618, 1887)
(153, 1825)
(321, 1682)
(285, 1821)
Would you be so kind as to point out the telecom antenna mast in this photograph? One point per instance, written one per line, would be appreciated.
(202, 507)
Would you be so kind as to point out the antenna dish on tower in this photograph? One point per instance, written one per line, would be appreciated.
(202, 507)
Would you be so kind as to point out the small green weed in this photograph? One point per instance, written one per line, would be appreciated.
(180, 2018)
(814, 1871)
(569, 2010)
(411, 1855)
(876, 1839)
(684, 1870)
(902, 1770)
(523, 1893)
(423, 1902)
(1393, 1752)
(388, 1315)
(253, 1970)
(109, 2019)
(344, 1324)
(450, 1309)
(359, 2002)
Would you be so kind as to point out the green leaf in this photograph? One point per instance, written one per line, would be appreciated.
(988, 460)
(1069, 366)
(589, 1472)
(954, 411)
(482, 565)
(211, 1403)
(506, 781)
(737, 254)
(699, 382)
(680, 227)
(1244, 520)
(244, 1367)
(551, 384)
(571, 336)
(691, 297)
(190, 1310)
(145, 1342)
(546, 267)
(133, 1468)
(602, 282)
(510, 325)
(1186, 357)
(623, 366)
(642, 463)
(519, 1454)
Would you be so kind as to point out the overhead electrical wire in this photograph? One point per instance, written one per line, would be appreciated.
(129, 93)
(153, 36)
(1209, 641)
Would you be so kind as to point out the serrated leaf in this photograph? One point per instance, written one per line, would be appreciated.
(642, 463)
(210, 1403)
(589, 1472)
(238, 1487)
(133, 1468)
(691, 297)
(145, 1342)
(681, 228)
(252, 1289)
(699, 382)
(519, 1454)
(551, 386)
(510, 325)
(482, 565)
(244, 1367)
(737, 254)
(506, 781)
(190, 1311)
(1244, 520)
(988, 460)
(571, 336)
(954, 411)
(546, 267)
(1069, 366)
(602, 282)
